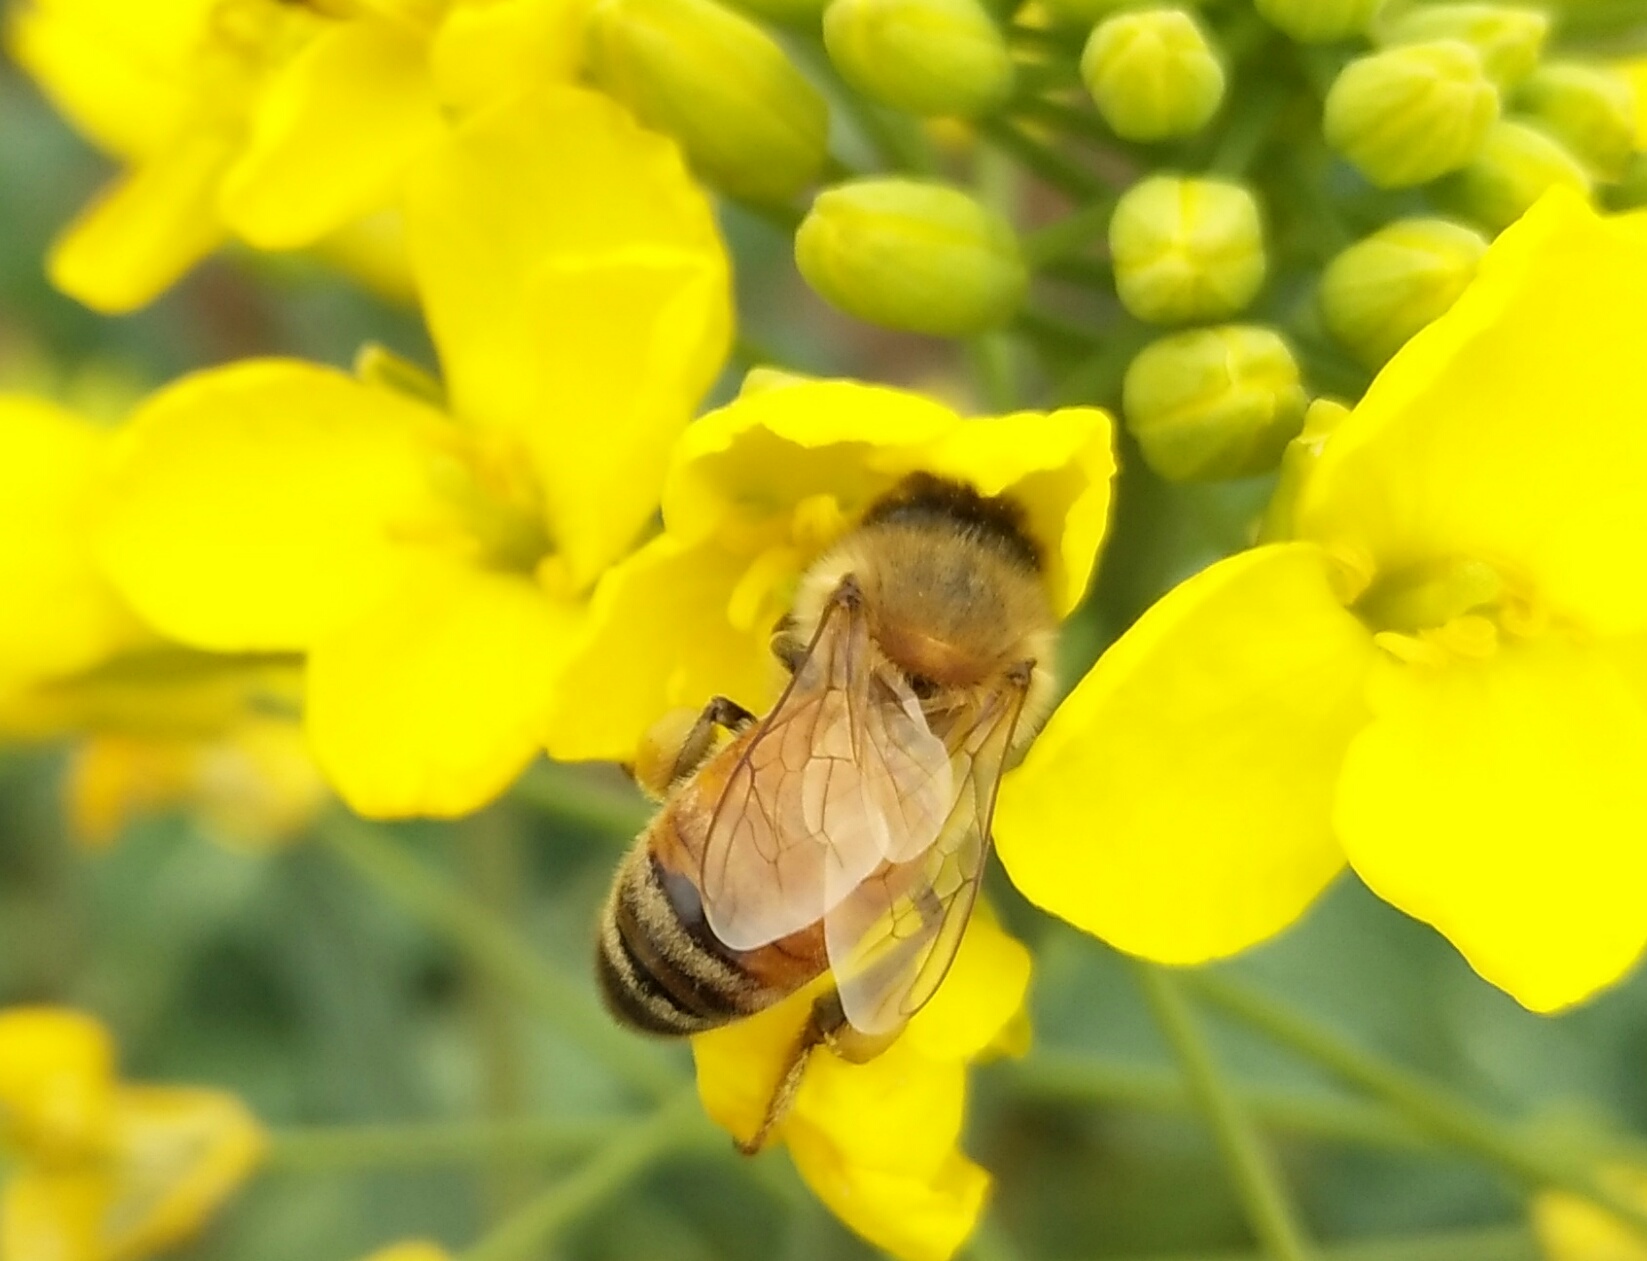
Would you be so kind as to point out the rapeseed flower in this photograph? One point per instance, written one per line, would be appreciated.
(1439, 678)
(153, 726)
(103, 1170)
(759, 489)
(878, 1142)
(279, 123)
(431, 560)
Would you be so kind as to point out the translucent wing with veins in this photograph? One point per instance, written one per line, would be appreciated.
(891, 940)
(842, 778)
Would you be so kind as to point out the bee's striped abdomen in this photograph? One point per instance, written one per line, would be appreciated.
(660, 967)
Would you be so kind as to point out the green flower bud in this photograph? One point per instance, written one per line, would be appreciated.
(1214, 403)
(913, 255)
(1383, 289)
(792, 12)
(749, 121)
(1590, 110)
(1319, 21)
(1186, 249)
(1086, 12)
(1153, 74)
(925, 57)
(1411, 114)
(1509, 39)
(1517, 166)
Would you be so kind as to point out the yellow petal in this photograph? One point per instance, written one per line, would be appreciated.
(179, 1153)
(118, 71)
(56, 1083)
(436, 698)
(924, 1218)
(332, 134)
(1177, 804)
(979, 998)
(1509, 430)
(657, 637)
(1502, 801)
(634, 337)
(487, 50)
(256, 507)
(578, 291)
(756, 458)
(146, 229)
(1635, 72)
(53, 1213)
(59, 613)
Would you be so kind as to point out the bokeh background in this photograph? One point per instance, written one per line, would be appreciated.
(277, 973)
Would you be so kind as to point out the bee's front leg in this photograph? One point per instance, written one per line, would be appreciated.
(680, 742)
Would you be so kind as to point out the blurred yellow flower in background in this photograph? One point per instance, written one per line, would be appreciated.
(432, 562)
(279, 123)
(1572, 1229)
(106, 1171)
(1442, 678)
(755, 492)
(157, 726)
(878, 1142)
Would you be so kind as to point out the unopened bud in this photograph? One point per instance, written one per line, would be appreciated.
(1589, 109)
(912, 255)
(1509, 38)
(1411, 114)
(1319, 21)
(786, 11)
(1186, 249)
(1153, 74)
(749, 121)
(1383, 289)
(925, 57)
(1517, 166)
(1214, 403)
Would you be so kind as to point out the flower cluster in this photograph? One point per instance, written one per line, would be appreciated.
(1380, 254)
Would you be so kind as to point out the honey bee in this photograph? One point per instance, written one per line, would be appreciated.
(847, 830)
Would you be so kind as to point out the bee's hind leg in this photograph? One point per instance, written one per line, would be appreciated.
(678, 743)
(826, 1025)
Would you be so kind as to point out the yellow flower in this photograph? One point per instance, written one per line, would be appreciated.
(159, 727)
(106, 1171)
(1441, 678)
(1572, 1229)
(278, 122)
(431, 562)
(759, 489)
(878, 1142)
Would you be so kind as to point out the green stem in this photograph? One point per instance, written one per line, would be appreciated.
(584, 795)
(486, 943)
(1045, 326)
(990, 1242)
(1070, 235)
(1058, 1076)
(1056, 168)
(625, 1155)
(1496, 1243)
(992, 368)
(1428, 1107)
(327, 1149)
(1255, 1178)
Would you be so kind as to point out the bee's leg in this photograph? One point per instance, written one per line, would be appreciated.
(677, 744)
(788, 647)
(826, 1025)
